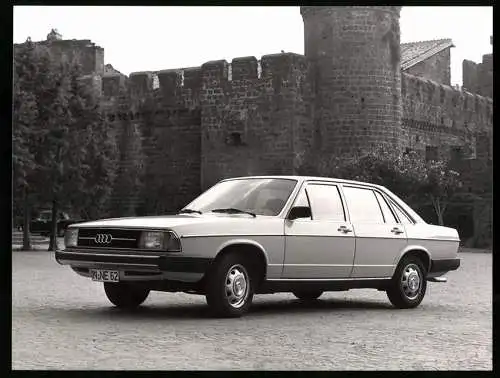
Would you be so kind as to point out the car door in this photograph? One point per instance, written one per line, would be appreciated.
(321, 246)
(379, 237)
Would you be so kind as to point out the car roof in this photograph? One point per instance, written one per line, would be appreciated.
(306, 178)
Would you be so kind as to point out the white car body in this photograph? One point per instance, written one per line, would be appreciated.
(336, 254)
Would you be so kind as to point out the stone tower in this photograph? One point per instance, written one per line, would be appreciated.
(355, 58)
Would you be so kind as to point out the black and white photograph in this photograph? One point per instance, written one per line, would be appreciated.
(234, 188)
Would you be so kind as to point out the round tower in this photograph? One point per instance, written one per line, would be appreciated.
(355, 58)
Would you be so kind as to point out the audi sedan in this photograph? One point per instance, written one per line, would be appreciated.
(267, 234)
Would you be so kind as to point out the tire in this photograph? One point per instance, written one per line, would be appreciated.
(409, 283)
(308, 295)
(125, 295)
(230, 286)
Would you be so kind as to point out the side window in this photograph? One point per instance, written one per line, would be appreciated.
(403, 218)
(326, 203)
(363, 205)
(386, 210)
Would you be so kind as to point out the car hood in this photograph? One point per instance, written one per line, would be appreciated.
(196, 225)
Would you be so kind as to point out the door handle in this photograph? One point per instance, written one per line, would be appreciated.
(396, 231)
(344, 229)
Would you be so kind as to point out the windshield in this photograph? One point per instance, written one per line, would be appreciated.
(257, 196)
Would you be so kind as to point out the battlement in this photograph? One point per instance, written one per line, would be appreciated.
(174, 82)
(444, 106)
(249, 68)
(113, 84)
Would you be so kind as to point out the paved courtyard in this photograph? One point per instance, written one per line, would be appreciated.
(64, 321)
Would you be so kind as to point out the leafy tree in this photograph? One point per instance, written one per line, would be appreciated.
(63, 148)
(406, 174)
(30, 64)
(440, 185)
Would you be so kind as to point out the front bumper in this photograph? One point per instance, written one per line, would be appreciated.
(132, 262)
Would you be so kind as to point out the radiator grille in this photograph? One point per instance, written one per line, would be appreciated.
(108, 238)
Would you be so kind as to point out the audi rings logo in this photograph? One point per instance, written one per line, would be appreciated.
(103, 238)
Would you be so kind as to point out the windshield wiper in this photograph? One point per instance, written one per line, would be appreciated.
(189, 211)
(232, 210)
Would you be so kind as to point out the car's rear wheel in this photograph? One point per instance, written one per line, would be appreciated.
(308, 295)
(409, 283)
(125, 294)
(230, 286)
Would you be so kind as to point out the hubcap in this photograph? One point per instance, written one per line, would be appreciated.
(237, 286)
(411, 281)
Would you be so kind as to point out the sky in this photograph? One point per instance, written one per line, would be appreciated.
(158, 38)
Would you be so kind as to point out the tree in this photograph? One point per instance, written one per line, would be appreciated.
(440, 185)
(70, 151)
(406, 174)
(30, 65)
(98, 161)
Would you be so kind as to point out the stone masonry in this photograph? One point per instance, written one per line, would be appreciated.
(347, 94)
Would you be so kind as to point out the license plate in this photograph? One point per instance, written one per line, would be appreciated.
(105, 275)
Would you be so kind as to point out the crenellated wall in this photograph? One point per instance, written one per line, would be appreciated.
(249, 117)
(440, 116)
(206, 123)
(253, 123)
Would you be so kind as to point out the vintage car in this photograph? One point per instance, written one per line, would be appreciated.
(42, 224)
(267, 234)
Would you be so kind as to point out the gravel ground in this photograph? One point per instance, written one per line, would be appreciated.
(63, 321)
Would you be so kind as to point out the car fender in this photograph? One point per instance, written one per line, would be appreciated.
(410, 247)
(251, 242)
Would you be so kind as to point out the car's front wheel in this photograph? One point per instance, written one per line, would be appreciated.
(308, 295)
(229, 286)
(408, 285)
(125, 294)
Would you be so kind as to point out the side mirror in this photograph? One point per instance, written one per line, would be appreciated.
(299, 212)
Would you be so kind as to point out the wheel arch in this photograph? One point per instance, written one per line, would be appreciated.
(415, 250)
(246, 246)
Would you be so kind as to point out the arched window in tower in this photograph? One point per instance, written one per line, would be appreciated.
(229, 72)
(259, 69)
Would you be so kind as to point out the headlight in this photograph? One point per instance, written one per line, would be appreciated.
(71, 237)
(165, 241)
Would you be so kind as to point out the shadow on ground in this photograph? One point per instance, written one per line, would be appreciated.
(202, 311)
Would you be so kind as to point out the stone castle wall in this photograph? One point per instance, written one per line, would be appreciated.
(254, 122)
(436, 68)
(211, 122)
(478, 77)
(437, 115)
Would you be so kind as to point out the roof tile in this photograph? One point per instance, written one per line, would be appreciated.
(416, 52)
